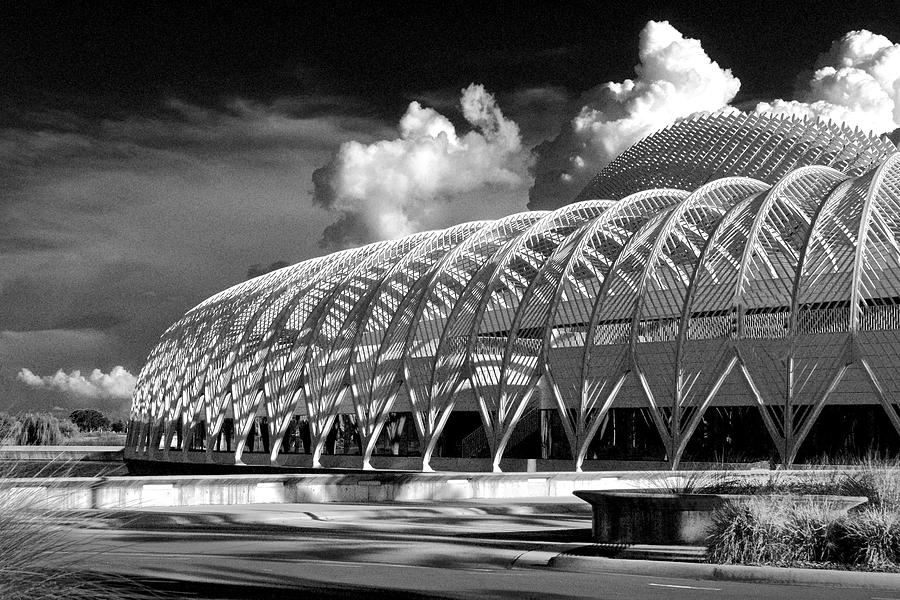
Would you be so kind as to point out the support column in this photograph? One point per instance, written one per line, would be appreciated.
(546, 434)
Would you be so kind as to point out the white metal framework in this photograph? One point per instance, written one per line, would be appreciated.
(747, 253)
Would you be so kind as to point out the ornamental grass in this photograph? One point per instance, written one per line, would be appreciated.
(40, 559)
(790, 530)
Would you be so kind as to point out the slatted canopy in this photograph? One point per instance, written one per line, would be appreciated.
(749, 251)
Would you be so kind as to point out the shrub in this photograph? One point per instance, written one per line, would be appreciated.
(877, 479)
(738, 536)
(789, 531)
(870, 538)
(68, 429)
(771, 530)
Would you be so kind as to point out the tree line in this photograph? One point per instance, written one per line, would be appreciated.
(46, 429)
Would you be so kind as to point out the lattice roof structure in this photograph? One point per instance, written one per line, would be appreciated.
(747, 252)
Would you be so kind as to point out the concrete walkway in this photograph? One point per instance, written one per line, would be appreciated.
(549, 533)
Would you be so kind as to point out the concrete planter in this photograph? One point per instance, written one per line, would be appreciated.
(667, 518)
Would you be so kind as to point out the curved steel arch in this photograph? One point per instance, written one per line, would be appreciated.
(569, 308)
(396, 295)
(391, 368)
(877, 302)
(205, 323)
(819, 313)
(495, 313)
(218, 359)
(326, 361)
(759, 248)
(257, 333)
(278, 376)
(430, 374)
(676, 242)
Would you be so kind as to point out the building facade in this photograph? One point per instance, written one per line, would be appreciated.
(730, 260)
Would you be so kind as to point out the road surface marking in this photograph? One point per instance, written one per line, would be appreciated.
(686, 587)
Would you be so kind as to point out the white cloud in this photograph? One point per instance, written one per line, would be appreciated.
(857, 82)
(675, 78)
(118, 384)
(391, 188)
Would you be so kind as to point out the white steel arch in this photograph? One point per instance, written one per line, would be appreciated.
(373, 399)
(495, 327)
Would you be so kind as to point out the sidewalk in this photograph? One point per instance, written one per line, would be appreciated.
(573, 555)
(261, 516)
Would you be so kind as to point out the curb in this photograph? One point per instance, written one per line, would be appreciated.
(735, 573)
(644, 552)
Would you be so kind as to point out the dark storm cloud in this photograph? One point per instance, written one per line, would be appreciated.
(347, 230)
(895, 136)
(112, 227)
(261, 269)
(241, 124)
(17, 243)
(539, 111)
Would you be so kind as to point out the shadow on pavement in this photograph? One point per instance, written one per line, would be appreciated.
(539, 535)
(166, 589)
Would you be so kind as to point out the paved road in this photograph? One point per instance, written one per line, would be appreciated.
(464, 552)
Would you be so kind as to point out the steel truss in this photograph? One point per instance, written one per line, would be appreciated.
(735, 250)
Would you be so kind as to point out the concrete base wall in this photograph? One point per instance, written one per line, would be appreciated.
(62, 453)
(137, 492)
(414, 463)
(185, 490)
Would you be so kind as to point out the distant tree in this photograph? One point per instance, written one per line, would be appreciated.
(39, 429)
(89, 419)
(118, 426)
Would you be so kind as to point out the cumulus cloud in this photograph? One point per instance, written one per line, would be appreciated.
(857, 82)
(675, 78)
(390, 188)
(118, 384)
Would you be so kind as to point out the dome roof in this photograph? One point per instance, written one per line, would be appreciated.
(703, 147)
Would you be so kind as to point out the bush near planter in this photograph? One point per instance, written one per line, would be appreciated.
(870, 537)
(769, 530)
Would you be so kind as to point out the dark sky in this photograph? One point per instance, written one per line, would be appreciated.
(386, 51)
(151, 153)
